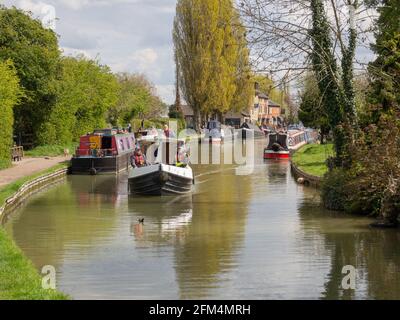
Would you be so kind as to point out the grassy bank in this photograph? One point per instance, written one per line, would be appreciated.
(50, 150)
(19, 280)
(312, 158)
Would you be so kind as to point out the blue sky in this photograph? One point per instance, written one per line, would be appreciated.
(127, 35)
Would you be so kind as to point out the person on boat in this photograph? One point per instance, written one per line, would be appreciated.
(167, 132)
(182, 160)
(138, 160)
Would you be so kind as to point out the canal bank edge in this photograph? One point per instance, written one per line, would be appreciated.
(19, 279)
(305, 178)
(29, 188)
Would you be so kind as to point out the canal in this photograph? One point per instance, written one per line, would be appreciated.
(259, 236)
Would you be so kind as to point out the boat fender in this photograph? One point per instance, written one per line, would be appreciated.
(93, 171)
(301, 181)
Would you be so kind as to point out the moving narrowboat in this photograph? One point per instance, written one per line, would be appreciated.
(277, 146)
(103, 151)
(162, 175)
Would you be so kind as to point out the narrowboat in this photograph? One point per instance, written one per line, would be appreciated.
(105, 151)
(277, 146)
(297, 139)
(161, 175)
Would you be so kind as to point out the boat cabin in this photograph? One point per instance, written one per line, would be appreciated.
(277, 142)
(103, 151)
(105, 143)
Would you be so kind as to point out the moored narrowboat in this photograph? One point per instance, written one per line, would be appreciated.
(277, 146)
(103, 151)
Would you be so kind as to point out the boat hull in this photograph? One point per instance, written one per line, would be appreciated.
(160, 180)
(105, 165)
(276, 155)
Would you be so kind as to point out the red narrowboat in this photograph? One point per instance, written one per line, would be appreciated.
(103, 151)
(277, 146)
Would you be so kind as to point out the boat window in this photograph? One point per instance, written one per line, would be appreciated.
(121, 143)
(128, 143)
(106, 143)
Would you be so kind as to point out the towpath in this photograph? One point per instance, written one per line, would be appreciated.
(27, 167)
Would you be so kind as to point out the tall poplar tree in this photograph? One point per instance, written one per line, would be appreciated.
(210, 50)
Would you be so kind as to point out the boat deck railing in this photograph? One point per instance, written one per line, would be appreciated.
(98, 153)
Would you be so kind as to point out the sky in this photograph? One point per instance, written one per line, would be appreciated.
(127, 35)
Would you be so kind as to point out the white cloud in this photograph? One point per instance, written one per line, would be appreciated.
(166, 93)
(145, 61)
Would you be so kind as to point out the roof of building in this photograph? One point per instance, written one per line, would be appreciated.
(273, 104)
(261, 95)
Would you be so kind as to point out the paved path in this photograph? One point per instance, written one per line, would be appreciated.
(27, 167)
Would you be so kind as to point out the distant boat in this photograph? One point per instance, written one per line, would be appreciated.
(103, 151)
(277, 146)
(162, 176)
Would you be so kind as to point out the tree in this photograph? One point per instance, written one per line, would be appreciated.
(287, 35)
(137, 99)
(10, 92)
(312, 112)
(210, 49)
(85, 92)
(385, 70)
(35, 54)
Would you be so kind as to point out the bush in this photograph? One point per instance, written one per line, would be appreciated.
(9, 94)
(333, 188)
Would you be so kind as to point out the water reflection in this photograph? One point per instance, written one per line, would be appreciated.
(349, 241)
(260, 236)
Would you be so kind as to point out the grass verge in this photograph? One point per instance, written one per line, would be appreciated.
(19, 280)
(312, 158)
(50, 150)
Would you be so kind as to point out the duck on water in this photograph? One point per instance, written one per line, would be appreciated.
(165, 171)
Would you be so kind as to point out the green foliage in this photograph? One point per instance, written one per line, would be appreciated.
(51, 150)
(385, 70)
(35, 54)
(312, 112)
(174, 113)
(212, 56)
(137, 99)
(9, 94)
(327, 75)
(85, 92)
(333, 189)
(312, 159)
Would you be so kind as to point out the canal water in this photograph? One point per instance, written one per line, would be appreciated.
(257, 236)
